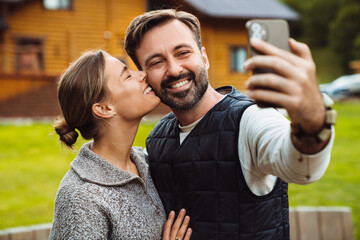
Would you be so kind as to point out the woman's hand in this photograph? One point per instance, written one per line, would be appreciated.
(177, 230)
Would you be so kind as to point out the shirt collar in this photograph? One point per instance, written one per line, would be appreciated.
(93, 168)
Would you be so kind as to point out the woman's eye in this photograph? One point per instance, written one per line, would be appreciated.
(129, 76)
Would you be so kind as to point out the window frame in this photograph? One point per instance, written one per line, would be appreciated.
(20, 42)
(232, 50)
(69, 8)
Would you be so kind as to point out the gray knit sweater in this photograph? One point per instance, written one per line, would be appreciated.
(96, 200)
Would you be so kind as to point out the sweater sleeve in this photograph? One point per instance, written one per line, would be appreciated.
(265, 148)
(77, 216)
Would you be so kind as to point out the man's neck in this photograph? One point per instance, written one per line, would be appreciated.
(207, 102)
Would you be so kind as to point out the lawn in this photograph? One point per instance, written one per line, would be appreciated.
(340, 186)
(32, 163)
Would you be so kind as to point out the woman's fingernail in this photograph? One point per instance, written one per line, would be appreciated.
(172, 213)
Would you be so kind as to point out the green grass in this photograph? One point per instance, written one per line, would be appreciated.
(32, 163)
(340, 186)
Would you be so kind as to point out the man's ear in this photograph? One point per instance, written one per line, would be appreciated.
(205, 58)
(103, 110)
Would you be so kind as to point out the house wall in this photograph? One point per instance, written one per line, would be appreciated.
(65, 34)
(218, 38)
(99, 24)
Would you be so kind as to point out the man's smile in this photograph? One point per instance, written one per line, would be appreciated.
(179, 84)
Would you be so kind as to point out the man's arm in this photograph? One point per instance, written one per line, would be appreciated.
(265, 148)
(294, 88)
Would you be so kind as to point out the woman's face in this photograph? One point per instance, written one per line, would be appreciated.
(129, 91)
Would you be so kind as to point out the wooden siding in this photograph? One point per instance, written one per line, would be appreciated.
(66, 34)
(90, 24)
(218, 40)
(14, 84)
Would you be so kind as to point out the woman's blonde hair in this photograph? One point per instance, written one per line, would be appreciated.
(80, 86)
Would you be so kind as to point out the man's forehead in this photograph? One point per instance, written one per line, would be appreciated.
(171, 34)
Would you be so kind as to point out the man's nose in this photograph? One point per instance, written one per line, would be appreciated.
(174, 68)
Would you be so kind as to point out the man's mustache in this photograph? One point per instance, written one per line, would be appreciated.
(172, 79)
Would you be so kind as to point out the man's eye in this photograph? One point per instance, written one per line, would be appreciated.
(183, 53)
(155, 63)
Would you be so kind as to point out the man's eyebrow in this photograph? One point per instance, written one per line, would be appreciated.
(184, 45)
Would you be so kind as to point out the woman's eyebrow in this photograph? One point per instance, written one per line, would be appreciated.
(123, 70)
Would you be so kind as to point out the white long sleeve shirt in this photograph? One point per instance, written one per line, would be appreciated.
(266, 151)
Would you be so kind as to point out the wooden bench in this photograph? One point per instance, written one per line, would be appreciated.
(35, 232)
(306, 223)
(321, 223)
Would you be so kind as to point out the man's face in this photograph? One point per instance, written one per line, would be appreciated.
(177, 70)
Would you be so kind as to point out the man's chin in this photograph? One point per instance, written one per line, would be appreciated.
(179, 104)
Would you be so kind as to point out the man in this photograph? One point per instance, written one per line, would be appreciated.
(218, 155)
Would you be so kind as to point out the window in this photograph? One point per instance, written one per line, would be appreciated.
(29, 55)
(238, 58)
(57, 4)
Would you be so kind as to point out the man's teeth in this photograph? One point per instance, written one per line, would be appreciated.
(147, 90)
(179, 84)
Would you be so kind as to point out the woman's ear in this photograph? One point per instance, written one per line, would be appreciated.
(103, 110)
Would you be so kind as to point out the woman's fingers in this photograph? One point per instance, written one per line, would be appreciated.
(177, 224)
(168, 225)
(177, 230)
(188, 234)
(183, 228)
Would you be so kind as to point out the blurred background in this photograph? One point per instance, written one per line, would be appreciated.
(39, 38)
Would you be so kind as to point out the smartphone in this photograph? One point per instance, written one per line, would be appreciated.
(273, 31)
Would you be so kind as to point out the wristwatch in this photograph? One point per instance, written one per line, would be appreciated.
(324, 134)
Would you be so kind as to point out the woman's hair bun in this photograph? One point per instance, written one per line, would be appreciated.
(67, 134)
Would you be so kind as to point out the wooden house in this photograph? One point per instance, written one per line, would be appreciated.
(39, 38)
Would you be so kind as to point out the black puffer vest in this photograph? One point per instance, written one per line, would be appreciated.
(203, 175)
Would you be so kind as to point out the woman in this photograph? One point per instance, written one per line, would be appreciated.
(108, 192)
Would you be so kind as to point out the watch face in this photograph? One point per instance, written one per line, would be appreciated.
(324, 135)
(327, 100)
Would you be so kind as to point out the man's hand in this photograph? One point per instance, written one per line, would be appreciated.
(294, 87)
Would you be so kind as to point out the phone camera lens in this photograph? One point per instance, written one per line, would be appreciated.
(257, 35)
(256, 28)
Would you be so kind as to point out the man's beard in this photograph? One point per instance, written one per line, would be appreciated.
(185, 100)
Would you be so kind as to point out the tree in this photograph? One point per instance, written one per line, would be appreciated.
(334, 23)
(345, 33)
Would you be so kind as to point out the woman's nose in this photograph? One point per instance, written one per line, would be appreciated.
(142, 75)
